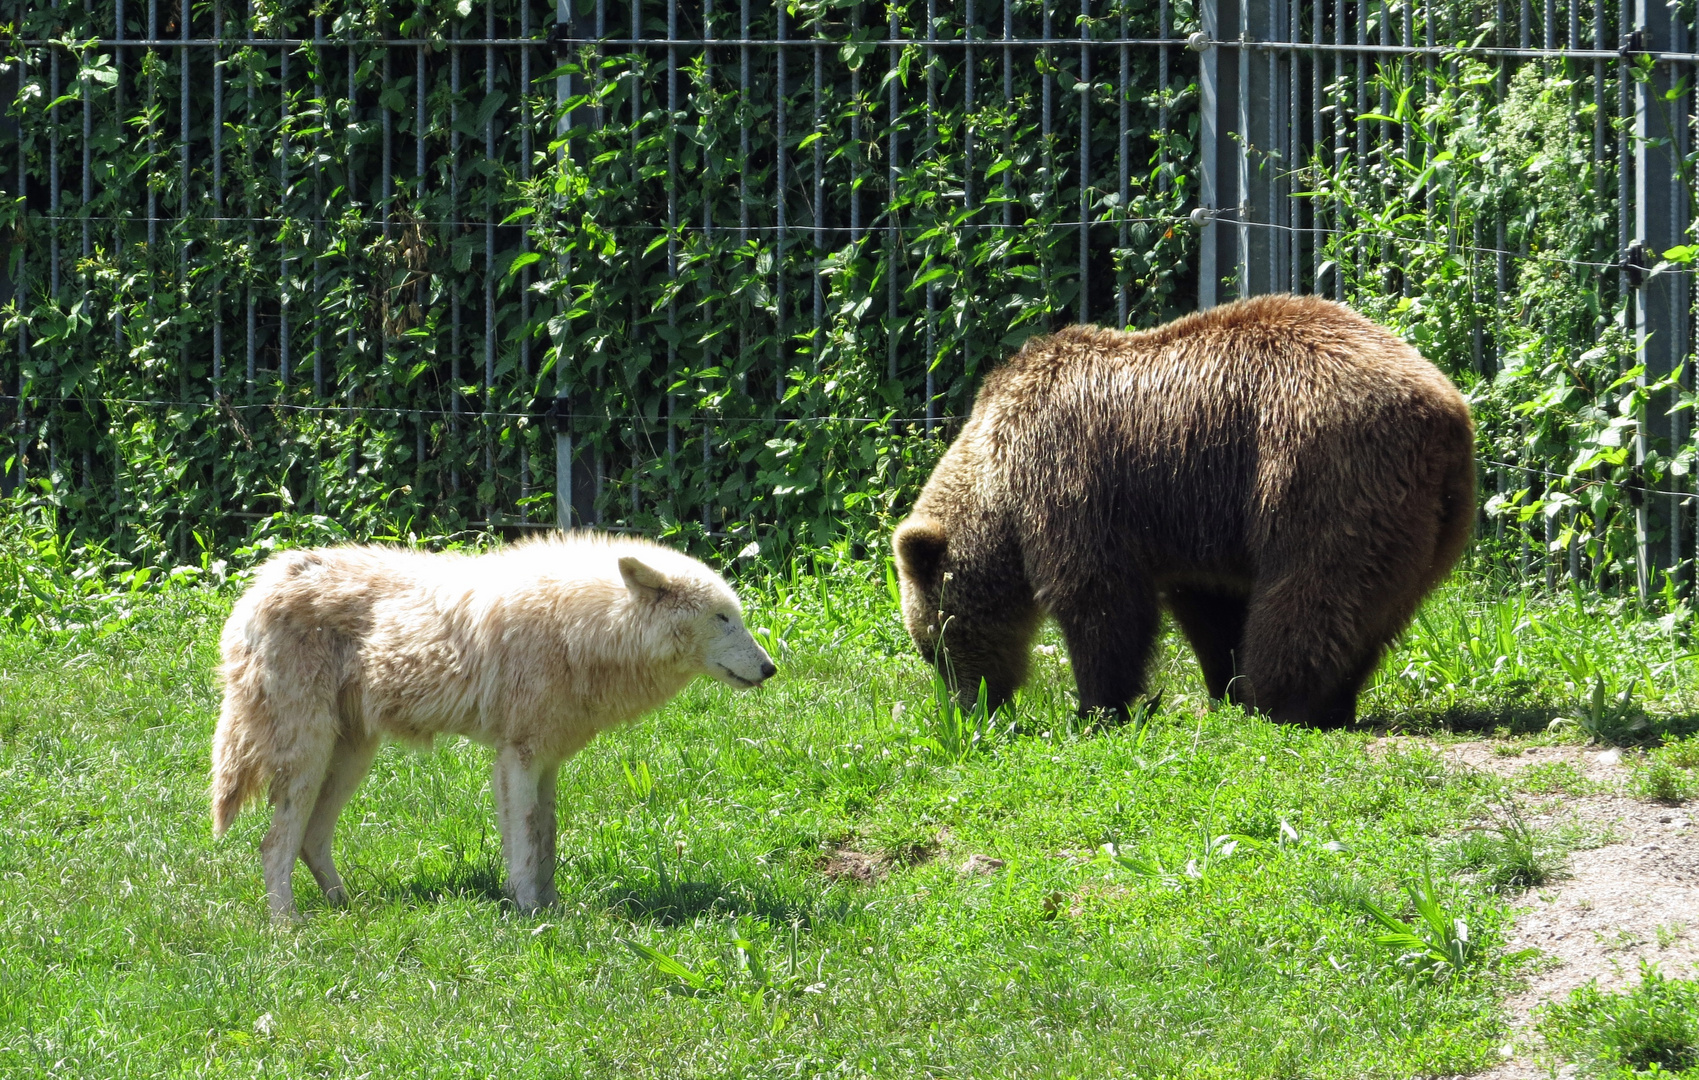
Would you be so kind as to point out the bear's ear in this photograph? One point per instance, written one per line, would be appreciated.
(641, 578)
(920, 544)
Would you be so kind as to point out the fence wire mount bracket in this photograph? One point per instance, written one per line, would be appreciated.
(1636, 264)
(1198, 41)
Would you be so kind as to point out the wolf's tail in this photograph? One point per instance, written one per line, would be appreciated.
(239, 769)
(237, 774)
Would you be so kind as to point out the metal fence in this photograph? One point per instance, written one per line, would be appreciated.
(522, 263)
(1285, 83)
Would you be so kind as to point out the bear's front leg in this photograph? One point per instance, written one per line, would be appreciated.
(525, 816)
(1110, 635)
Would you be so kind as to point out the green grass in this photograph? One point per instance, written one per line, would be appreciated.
(1187, 896)
(1649, 1030)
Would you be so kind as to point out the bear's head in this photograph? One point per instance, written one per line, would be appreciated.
(922, 548)
(966, 604)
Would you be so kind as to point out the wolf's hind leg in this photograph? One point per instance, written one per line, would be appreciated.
(349, 762)
(295, 788)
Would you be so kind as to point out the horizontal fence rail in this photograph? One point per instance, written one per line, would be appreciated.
(731, 270)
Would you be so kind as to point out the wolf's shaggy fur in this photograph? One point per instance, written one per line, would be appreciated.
(1285, 477)
(531, 650)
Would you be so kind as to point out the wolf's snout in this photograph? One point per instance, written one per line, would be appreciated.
(767, 671)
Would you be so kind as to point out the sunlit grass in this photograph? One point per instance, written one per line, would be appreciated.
(1184, 896)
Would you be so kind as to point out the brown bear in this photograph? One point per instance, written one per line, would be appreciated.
(1283, 476)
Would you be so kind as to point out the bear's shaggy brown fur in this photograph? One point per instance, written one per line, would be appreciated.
(1285, 477)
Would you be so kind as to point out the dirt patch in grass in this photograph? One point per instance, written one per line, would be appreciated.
(1635, 897)
(846, 863)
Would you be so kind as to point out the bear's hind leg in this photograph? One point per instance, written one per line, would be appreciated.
(1214, 624)
(1109, 639)
(1311, 642)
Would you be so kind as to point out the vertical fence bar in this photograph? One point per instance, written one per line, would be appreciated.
(931, 148)
(1047, 144)
(520, 441)
(1262, 240)
(1658, 225)
(672, 243)
(893, 124)
(564, 491)
(150, 58)
(455, 71)
(970, 231)
(316, 291)
(1123, 187)
(1162, 59)
(216, 123)
(1084, 94)
(818, 132)
(249, 210)
(707, 245)
(421, 122)
(1317, 147)
(118, 58)
(249, 127)
(857, 151)
(490, 403)
(1341, 140)
(1218, 186)
(18, 281)
(53, 179)
(780, 185)
(184, 240)
(1291, 140)
(284, 231)
(1008, 99)
(351, 354)
(745, 105)
(634, 63)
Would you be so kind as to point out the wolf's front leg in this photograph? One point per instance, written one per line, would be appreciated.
(525, 815)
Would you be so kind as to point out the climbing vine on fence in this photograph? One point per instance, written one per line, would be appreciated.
(315, 272)
(365, 261)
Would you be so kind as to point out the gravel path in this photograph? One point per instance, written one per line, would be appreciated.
(1634, 898)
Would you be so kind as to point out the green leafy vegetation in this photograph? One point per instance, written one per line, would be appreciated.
(1181, 894)
(1670, 773)
(702, 397)
(1649, 1030)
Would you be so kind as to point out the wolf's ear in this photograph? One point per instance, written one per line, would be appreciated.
(641, 578)
(920, 544)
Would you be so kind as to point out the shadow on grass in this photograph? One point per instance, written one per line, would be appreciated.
(635, 893)
(672, 902)
(479, 879)
(1521, 719)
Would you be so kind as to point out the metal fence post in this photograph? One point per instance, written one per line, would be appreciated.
(1660, 311)
(10, 131)
(1218, 187)
(1264, 209)
(563, 384)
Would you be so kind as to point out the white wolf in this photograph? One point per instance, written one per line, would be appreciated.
(531, 650)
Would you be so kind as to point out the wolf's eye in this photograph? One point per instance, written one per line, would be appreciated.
(722, 618)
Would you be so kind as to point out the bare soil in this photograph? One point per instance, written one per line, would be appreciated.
(1633, 897)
